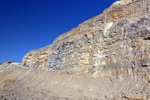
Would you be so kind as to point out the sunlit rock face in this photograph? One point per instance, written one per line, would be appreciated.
(36, 58)
(118, 38)
(106, 58)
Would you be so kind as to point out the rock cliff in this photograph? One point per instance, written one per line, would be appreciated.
(105, 58)
(119, 37)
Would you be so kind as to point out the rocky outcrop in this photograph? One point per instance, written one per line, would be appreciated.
(36, 58)
(111, 51)
(127, 9)
(114, 37)
(120, 36)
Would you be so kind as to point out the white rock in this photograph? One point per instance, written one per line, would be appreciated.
(107, 26)
(14, 63)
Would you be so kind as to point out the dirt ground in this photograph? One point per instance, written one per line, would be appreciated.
(19, 83)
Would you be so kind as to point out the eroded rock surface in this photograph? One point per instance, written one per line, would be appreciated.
(112, 48)
(120, 36)
(36, 58)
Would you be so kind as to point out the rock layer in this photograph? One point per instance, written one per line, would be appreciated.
(36, 58)
(119, 37)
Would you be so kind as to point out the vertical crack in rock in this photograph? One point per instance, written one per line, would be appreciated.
(92, 53)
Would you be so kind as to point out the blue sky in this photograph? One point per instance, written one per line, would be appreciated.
(31, 24)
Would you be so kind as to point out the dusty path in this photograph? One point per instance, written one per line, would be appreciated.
(20, 83)
(6, 66)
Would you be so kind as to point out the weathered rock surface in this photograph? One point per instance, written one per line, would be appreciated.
(36, 58)
(119, 37)
(111, 52)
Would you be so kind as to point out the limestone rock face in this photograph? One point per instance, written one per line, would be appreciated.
(118, 38)
(111, 51)
(36, 58)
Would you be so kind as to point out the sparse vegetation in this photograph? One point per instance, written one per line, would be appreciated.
(9, 62)
(92, 16)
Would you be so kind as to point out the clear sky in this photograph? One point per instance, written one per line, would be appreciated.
(31, 24)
